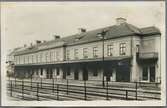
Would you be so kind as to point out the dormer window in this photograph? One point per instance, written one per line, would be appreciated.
(79, 37)
(76, 39)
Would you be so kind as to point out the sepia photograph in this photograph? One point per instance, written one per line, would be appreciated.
(83, 53)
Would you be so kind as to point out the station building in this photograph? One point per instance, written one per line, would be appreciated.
(121, 52)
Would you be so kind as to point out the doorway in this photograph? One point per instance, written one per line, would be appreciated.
(85, 74)
(76, 74)
(123, 74)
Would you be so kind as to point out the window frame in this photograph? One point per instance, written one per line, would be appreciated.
(85, 52)
(145, 72)
(76, 53)
(68, 71)
(57, 55)
(122, 48)
(57, 71)
(110, 48)
(68, 54)
(41, 71)
(95, 52)
(95, 72)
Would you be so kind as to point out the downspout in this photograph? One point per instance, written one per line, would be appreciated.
(132, 59)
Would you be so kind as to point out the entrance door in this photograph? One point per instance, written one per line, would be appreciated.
(49, 73)
(76, 74)
(123, 74)
(85, 73)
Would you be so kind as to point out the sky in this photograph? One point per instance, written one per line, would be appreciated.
(25, 22)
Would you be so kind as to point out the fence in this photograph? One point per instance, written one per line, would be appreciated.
(85, 90)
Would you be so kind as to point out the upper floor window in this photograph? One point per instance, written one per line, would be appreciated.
(85, 52)
(47, 56)
(95, 52)
(37, 57)
(76, 53)
(122, 48)
(24, 59)
(109, 50)
(68, 54)
(50, 55)
(57, 55)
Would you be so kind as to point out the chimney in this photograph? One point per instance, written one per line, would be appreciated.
(31, 44)
(25, 45)
(38, 41)
(120, 20)
(56, 37)
(81, 30)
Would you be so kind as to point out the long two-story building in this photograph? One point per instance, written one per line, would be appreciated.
(121, 52)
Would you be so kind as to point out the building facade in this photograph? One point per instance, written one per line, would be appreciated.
(121, 52)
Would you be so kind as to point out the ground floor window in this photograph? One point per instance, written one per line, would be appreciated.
(148, 73)
(95, 72)
(145, 73)
(68, 71)
(152, 74)
(37, 72)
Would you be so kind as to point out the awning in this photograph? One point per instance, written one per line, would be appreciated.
(106, 59)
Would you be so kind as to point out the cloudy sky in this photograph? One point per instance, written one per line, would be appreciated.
(23, 23)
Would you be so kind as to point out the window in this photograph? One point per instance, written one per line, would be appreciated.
(68, 54)
(95, 52)
(137, 48)
(47, 56)
(76, 53)
(36, 58)
(109, 50)
(28, 56)
(122, 48)
(149, 73)
(145, 73)
(32, 57)
(41, 71)
(95, 72)
(85, 52)
(24, 59)
(58, 71)
(41, 56)
(152, 74)
(68, 71)
(57, 56)
(36, 72)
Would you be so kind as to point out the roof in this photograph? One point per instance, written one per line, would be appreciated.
(150, 30)
(114, 31)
